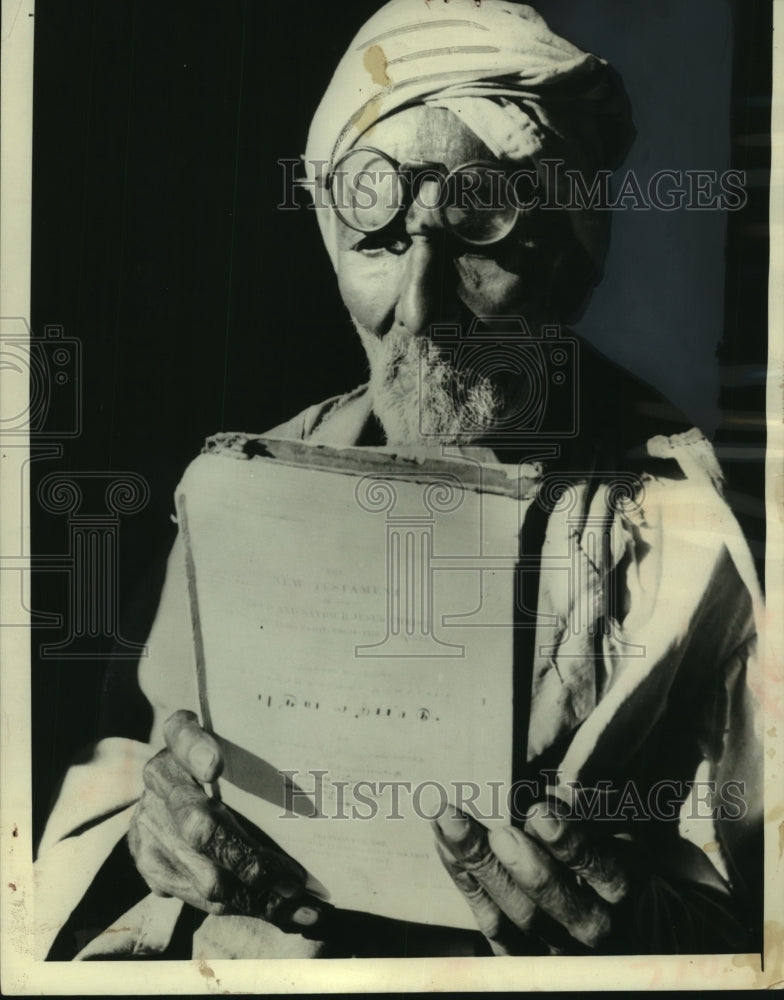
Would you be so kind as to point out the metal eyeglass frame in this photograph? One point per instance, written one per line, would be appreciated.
(408, 173)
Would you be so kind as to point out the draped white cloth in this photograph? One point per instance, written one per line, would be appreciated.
(524, 91)
(692, 609)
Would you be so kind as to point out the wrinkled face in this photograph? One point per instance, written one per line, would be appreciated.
(398, 282)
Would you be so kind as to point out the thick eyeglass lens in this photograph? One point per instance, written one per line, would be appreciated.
(477, 207)
(366, 190)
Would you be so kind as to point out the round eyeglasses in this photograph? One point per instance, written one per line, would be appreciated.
(368, 190)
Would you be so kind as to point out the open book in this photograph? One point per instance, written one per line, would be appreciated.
(351, 614)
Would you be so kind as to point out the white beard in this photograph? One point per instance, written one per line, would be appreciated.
(421, 397)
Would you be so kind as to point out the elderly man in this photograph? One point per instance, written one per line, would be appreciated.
(434, 104)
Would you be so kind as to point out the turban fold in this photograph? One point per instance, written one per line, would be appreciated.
(524, 91)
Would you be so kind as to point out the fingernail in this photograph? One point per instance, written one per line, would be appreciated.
(445, 853)
(202, 758)
(545, 827)
(505, 845)
(517, 852)
(305, 916)
(454, 828)
(315, 888)
(287, 888)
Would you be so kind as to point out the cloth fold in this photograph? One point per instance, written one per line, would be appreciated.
(527, 93)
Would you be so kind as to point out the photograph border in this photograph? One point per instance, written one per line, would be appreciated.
(23, 975)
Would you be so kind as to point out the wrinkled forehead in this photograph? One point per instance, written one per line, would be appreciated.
(426, 134)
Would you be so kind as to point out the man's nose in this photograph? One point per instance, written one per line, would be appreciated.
(421, 290)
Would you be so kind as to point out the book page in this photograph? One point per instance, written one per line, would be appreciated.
(353, 665)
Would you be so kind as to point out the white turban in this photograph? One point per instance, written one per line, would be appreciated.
(525, 92)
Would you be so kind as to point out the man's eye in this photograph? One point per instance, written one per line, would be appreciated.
(383, 242)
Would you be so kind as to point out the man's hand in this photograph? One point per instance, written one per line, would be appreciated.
(190, 846)
(550, 888)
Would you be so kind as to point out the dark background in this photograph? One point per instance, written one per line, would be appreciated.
(201, 307)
